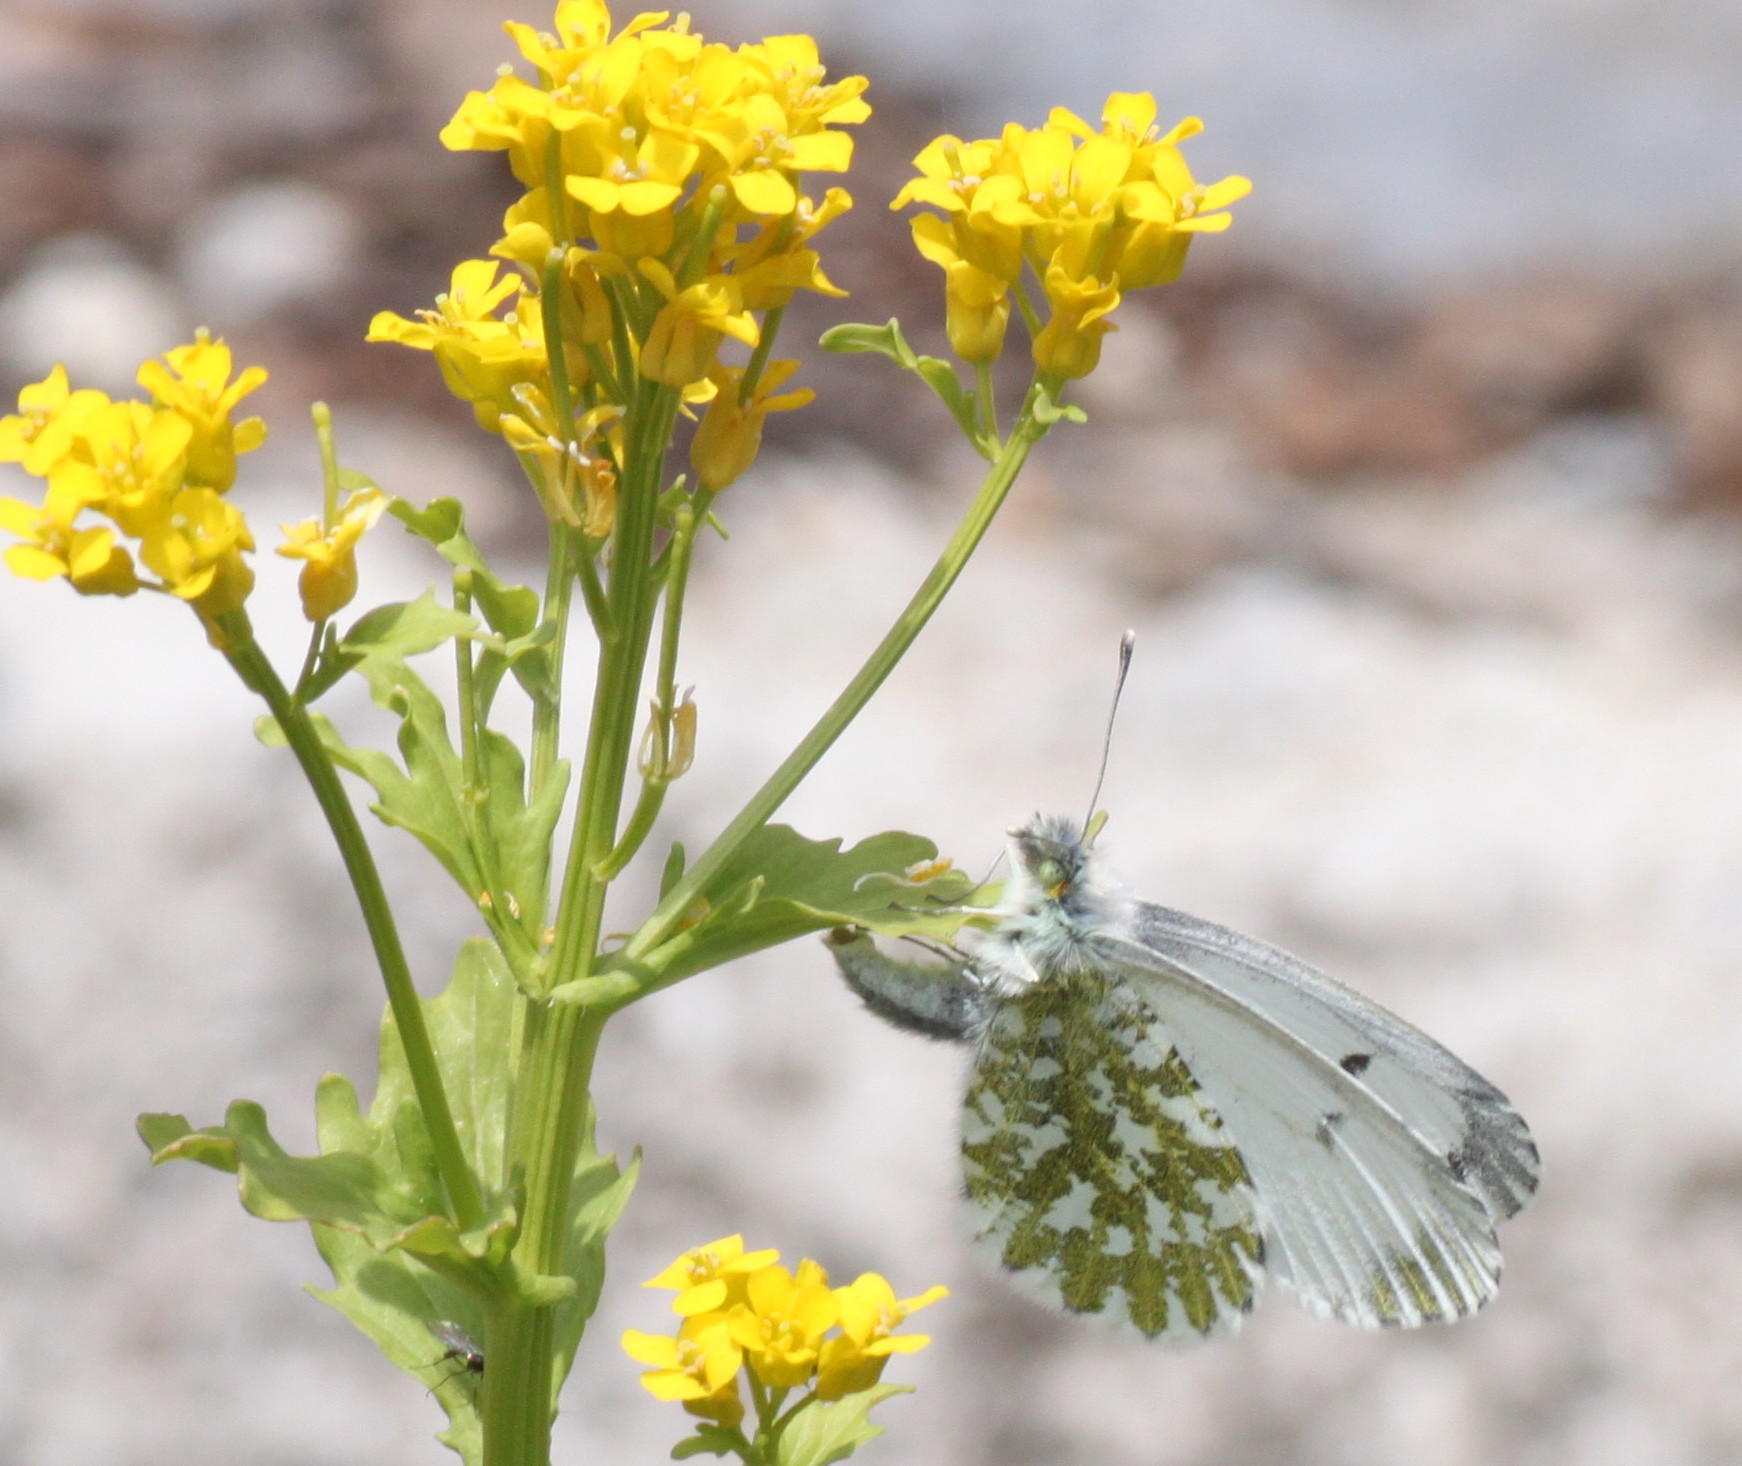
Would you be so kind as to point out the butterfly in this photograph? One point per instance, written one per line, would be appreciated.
(1162, 1113)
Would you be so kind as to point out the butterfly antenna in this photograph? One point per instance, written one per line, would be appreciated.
(1126, 645)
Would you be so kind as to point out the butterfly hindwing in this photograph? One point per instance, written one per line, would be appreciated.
(1363, 1217)
(1097, 1171)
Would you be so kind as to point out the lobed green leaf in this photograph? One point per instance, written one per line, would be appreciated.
(820, 1433)
(780, 885)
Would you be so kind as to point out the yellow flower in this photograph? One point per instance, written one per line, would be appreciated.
(778, 261)
(328, 579)
(47, 422)
(482, 358)
(127, 460)
(645, 155)
(690, 326)
(701, 1361)
(1069, 345)
(781, 1323)
(730, 434)
(195, 544)
(576, 481)
(869, 1312)
(196, 383)
(709, 1276)
(1094, 213)
(89, 558)
(513, 116)
(135, 464)
(763, 155)
(977, 302)
(647, 175)
(723, 1407)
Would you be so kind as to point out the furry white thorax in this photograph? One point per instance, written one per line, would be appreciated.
(1041, 932)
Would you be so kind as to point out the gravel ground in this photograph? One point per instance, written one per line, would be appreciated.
(1485, 761)
(1432, 551)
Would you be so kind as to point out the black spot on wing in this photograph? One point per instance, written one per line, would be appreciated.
(1354, 1063)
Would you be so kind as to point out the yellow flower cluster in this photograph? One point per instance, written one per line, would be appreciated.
(742, 1310)
(662, 199)
(1091, 214)
(152, 474)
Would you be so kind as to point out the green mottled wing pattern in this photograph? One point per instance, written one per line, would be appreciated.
(1098, 1172)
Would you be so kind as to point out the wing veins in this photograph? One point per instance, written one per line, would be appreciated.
(1429, 1245)
(1132, 954)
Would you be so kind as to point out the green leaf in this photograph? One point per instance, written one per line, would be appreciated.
(374, 1201)
(674, 868)
(852, 337)
(820, 1433)
(1048, 410)
(939, 375)
(709, 1440)
(388, 633)
(599, 1195)
(424, 796)
(505, 844)
(520, 830)
(343, 1189)
(392, 1299)
(474, 1027)
(779, 885)
(405, 629)
(510, 610)
(442, 523)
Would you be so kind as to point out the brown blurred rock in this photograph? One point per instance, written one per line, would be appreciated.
(1693, 359)
(139, 121)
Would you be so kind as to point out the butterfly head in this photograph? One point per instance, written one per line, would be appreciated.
(1056, 901)
(1049, 858)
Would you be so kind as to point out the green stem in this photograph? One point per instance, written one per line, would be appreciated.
(299, 732)
(311, 657)
(616, 696)
(547, 707)
(1029, 317)
(1028, 430)
(323, 420)
(550, 308)
(553, 1122)
(769, 329)
(463, 670)
(593, 593)
(988, 402)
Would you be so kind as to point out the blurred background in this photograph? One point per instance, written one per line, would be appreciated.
(1421, 490)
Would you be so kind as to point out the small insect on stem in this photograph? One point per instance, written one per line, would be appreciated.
(458, 1345)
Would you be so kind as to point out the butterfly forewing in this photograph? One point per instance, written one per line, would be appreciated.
(1451, 1107)
(1097, 1170)
(1364, 1218)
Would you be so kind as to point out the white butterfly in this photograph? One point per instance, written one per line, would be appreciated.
(1161, 1112)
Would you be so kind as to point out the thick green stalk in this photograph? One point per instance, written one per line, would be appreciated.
(550, 1120)
(1028, 430)
(299, 732)
(553, 1122)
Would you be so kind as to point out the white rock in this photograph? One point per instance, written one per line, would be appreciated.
(264, 247)
(83, 301)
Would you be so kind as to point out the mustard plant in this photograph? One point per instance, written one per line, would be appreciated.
(639, 281)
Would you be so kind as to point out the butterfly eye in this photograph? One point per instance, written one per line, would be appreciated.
(1051, 875)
